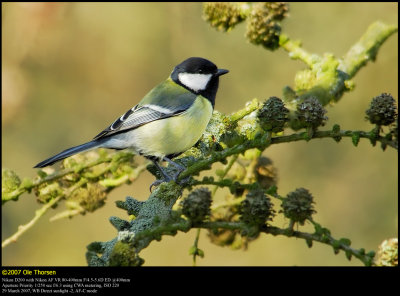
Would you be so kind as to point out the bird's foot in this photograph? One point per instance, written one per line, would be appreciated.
(155, 183)
(168, 179)
(159, 181)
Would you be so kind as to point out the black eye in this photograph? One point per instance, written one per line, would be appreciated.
(200, 71)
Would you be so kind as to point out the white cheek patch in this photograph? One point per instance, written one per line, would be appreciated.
(194, 81)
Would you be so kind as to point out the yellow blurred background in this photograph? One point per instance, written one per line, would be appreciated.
(70, 69)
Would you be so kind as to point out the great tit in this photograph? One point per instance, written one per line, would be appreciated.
(169, 120)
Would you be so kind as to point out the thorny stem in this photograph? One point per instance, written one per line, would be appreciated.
(184, 226)
(263, 142)
(367, 260)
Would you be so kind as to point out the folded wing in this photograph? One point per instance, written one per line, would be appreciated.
(164, 101)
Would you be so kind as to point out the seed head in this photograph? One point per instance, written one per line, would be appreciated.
(196, 206)
(256, 209)
(382, 110)
(298, 205)
(223, 16)
(311, 113)
(273, 115)
(263, 27)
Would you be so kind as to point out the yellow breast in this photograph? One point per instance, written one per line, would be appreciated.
(174, 134)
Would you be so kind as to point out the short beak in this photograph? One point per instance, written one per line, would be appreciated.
(221, 72)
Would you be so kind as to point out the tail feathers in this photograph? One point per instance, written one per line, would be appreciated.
(69, 152)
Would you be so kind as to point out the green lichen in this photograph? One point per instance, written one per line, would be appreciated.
(366, 49)
(322, 80)
(388, 253)
(232, 138)
(131, 205)
(46, 192)
(249, 127)
(124, 255)
(119, 223)
(169, 192)
(9, 183)
(90, 197)
(212, 136)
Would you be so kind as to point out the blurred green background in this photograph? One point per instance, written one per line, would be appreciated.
(70, 69)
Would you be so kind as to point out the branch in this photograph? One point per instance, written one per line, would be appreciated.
(328, 78)
(265, 141)
(296, 52)
(52, 188)
(249, 108)
(366, 49)
(323, 237)
(39, 213)
(76, 168)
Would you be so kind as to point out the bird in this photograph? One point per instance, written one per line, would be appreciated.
(169, 120)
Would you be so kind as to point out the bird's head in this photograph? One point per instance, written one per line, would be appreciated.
(196, 74)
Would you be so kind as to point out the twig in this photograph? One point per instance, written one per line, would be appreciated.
(296, 52)
(195, 246)
(230, 203)
(249, 108)
(39, 213)
(226, 170)
(55, 176)
(366, 48)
